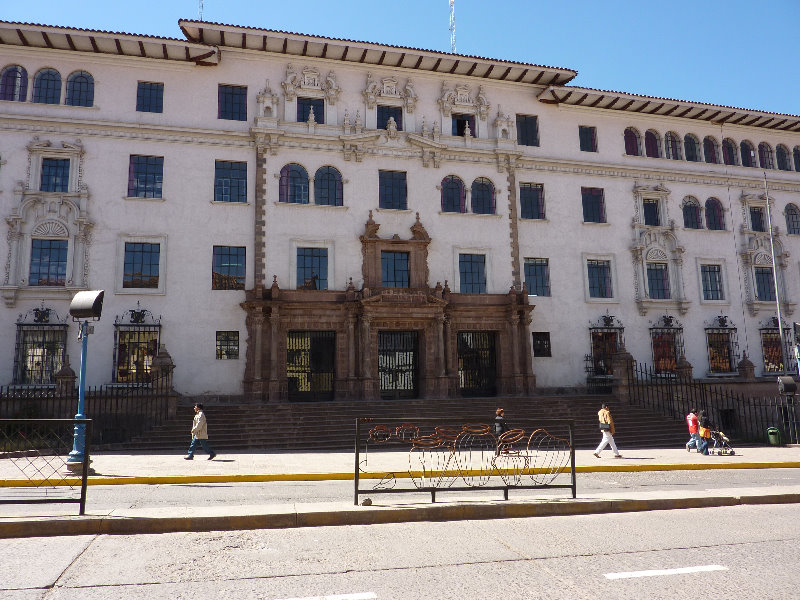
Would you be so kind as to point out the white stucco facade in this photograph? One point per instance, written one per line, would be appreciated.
(97, 217)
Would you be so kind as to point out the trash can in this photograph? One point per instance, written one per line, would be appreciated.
(774, 435)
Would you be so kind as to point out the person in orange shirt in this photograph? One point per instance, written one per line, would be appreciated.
(694, 436)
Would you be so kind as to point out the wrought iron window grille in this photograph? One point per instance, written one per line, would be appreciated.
(137, 335)
(666, 337)
(40, 349)
(722, 345)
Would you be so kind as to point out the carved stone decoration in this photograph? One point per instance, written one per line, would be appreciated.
(389, 88)
(756, 251)
(505, 126)
(391, 128)
(659, 246)
(459, 99)
(331, 88)
(267, 102)
(291, 83)
(410, 97)
(310, 79)
(371, 91)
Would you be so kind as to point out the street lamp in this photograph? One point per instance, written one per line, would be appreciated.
(84, 306)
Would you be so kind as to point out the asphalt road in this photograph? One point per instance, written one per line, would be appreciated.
(737, 552)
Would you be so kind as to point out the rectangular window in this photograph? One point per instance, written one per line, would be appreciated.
(39, 354)
(141, 265)
(145, 176)
(395, 112)
(651, 213)
(527, 130)
(531, 200)
(306, 105)
(594, 209)
(765, 284)
(55, 175)
(541, 344)
(232, 102)
(48, 262)
(312, 268)
(537, 276)
(757, 221)
(230, 181)
(392, 190)
(665, 350)
(135, 349)
(712, 282)
(658, 281)
(588, 138)
(460, 124)
(472, 273)
(228, 270)
(599, 273)
(150, 97)
(394, 269)
(227, 345)
(771, 348)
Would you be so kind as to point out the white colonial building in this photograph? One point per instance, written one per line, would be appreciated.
(298, 217)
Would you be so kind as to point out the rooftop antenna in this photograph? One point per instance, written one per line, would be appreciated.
(452, 26)
(201, 10)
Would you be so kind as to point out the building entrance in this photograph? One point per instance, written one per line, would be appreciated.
(310, 365)
(477, 363)
(398, 360)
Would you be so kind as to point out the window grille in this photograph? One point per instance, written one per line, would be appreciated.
(599, 274)
(771, 349)
(537, 276)
(765, 156)
(228, 270)
(765, 284)
(748, 156)
(672, 146)
(667, 344)
(48, 262)
(145, 176)
(658, 281)
(392, 190)
(631, 142)
(588, 138)
(482, 196)
(792, 220)
(293, 185)
(691, 215)
(651, 213)
(594, 210)
(782, 158)
(715, 215)
(141, 265)
(728, 152)
(757, 220)
(692, 148)
(712, 282)
(136, 340)
(55, 175)
(40, 350)
(722, 350)
(652, 144)
(227, 345)
(541, 344)
(710, 150)
(14, 84)
(472, 272)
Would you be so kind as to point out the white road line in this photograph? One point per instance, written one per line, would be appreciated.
(656, 572)
(358, 596)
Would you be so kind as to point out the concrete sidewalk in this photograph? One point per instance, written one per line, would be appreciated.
(112, 468)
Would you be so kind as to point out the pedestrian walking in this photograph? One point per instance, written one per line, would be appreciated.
(199, 434)
(704, 427)
(500, 426)
(694, 436)
(607, 429)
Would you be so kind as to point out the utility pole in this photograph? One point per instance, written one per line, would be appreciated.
(452, 26)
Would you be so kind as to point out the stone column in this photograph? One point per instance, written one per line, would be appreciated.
(622, 366)
(351, 346)
(684, 369)
(275, 322)
(366, 370)
(258, 346)
(440, 346)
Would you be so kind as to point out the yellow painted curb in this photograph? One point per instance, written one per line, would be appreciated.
(348, 476)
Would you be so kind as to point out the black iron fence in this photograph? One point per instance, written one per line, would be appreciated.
(743, 418)
(119, 412)
(431, 455)
(34, 459)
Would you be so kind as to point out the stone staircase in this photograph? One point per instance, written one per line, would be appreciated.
(331, 425)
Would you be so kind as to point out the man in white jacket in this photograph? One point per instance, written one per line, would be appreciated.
(199, 434)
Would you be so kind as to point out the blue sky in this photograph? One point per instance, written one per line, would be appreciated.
(735, 52)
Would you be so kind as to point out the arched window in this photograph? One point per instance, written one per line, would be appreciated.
(652, 144)
(482, 196)
(14, 84)
(328, 187)
(782, 157)
(293, 186)
(748, 154)
(792, 220)
(691, 213)
(729, 152)
(80, 89)
(711, 150)
(632, 147)
(765, 156)
(454, 195)
(691, 148)
(672, 146)
(796, 154)
(715, 216)
(47, 87)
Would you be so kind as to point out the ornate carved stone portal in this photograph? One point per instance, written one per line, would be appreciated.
(393, 342)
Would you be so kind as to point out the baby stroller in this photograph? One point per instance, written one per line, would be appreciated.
(721, 444)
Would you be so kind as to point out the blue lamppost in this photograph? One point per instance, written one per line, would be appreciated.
(84, 306)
